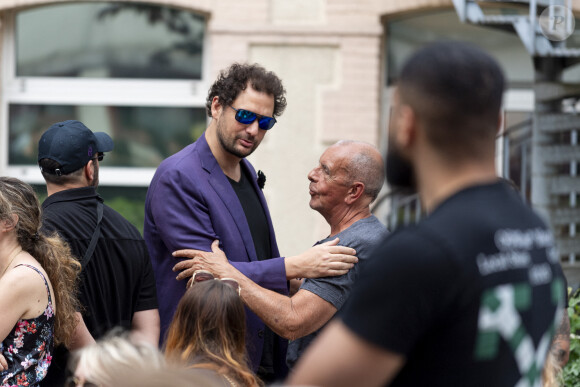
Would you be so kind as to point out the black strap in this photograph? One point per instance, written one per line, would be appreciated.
(89, 253)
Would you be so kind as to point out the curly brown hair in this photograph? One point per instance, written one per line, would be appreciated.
(236, 78)
(53, 254)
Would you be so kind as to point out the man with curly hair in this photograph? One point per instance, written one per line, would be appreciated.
(208, 191)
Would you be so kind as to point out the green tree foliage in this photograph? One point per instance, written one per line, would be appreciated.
(571, 372)
(131, 209)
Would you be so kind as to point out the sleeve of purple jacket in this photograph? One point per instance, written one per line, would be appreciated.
(182, 208)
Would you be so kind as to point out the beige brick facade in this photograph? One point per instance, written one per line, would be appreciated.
(330, 55)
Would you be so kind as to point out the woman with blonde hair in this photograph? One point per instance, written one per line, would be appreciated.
(208, 331)
(115, 357)
(38, 277)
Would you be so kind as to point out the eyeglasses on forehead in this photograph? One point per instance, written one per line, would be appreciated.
(246, 117)
(203, 275)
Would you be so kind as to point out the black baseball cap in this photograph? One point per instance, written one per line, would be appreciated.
(72, 145)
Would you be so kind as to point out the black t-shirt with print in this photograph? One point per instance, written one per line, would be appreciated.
(468, 296)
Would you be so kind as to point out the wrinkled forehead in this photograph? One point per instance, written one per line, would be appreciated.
(336, 158)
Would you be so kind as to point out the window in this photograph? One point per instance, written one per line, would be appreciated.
(144, 136)
(407, 34)
(109, 40)
(133, 70)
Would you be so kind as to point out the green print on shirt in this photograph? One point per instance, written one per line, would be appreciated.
(499, 318)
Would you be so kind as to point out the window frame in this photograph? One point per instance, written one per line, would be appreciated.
(89, 91)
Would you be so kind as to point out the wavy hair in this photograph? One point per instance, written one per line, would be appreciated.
(232, 81)
(208, 331)
(116, 354)
(53, 254)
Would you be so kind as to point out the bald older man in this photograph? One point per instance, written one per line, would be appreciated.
(342, 187)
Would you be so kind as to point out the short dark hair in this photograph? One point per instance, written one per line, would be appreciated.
(456, 92)
(51, 165)
(234, 79)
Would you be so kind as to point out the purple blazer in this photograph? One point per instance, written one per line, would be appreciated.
(189, 204)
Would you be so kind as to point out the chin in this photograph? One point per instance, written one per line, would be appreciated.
(314, 206)
(244, 152)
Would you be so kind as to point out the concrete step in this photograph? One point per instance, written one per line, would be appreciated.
(549, 91)
(498, 19)
(561, 185)
(558, 122)
(560, 154)
(567, 246)
(543, 3)
(563, 216)
(572, 273)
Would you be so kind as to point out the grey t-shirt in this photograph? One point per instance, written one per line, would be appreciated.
(362, 236)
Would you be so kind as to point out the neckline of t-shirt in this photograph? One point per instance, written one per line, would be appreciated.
(363, 220)
(243, 177)
(486, 186)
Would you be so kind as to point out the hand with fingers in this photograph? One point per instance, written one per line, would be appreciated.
(214, 261)
(324, 260)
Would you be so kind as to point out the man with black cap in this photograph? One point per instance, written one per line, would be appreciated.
(117, 286)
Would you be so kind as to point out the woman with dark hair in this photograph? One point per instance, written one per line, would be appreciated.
(208, 331)
(38, 276)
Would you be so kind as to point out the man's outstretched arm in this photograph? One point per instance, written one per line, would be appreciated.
(289, 317)
(323, 260)
(339, 358)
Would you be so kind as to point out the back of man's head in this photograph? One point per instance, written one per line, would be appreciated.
(456, 93)
(66, 147)
(365, 165)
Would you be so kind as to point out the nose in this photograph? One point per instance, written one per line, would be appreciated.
(312, 174)
(253, 128)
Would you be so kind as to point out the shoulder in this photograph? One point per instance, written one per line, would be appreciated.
(363, 235)
(181, 173)
(120, 223)
(185, 158)
(411, 248)
(22, 282)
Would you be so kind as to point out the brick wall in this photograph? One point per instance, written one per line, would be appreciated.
(329, 54)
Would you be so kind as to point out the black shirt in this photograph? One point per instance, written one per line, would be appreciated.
(255, 216)
(466, 295)
(118, 280)
(258, 223)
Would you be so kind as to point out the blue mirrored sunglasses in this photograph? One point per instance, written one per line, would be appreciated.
(246, 117)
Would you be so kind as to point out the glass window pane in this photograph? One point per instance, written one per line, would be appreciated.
(143, 135)
(406, 35)
(109, 40)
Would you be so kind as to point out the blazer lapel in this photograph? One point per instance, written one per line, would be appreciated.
(220, 183)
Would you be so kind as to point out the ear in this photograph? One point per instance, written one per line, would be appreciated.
(216, 107)
(354, 192)
(89, 171)
(407, 127)
(9, 224)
